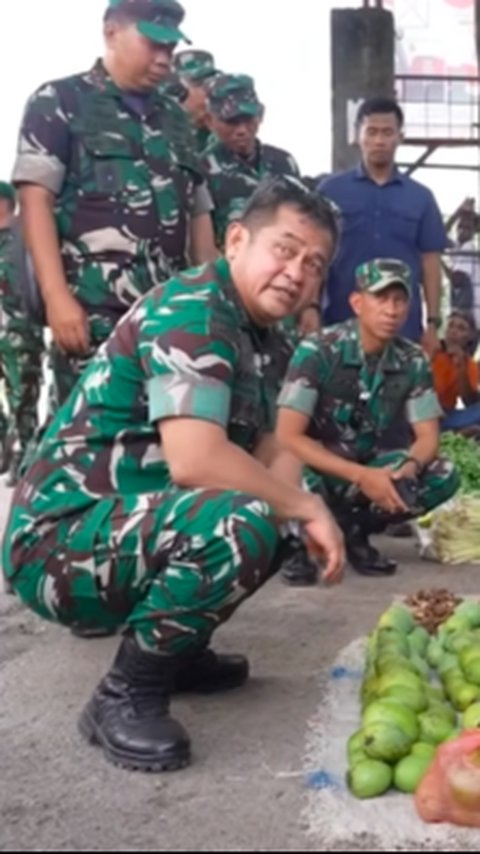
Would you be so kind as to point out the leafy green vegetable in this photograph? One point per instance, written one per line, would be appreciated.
(465, 454)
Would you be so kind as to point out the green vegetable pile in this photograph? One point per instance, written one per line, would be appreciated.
(465, 454)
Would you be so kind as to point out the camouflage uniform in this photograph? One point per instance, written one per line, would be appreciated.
(232, 179)
(353, 398)
(98, 532)
(197, 68)
(21, 349)
(126, 180)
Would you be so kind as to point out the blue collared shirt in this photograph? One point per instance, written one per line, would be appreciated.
(399, 219)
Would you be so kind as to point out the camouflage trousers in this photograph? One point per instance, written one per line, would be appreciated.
(22, 371)
(171, 566)
(66, 371)
(438, 482)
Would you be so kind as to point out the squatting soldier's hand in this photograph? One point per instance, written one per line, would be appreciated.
(325, 542)
(69, 324)
(379, 486)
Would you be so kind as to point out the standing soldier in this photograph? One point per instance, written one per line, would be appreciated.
(21, 345)
(236, 161)
(111, 192)
(196, 69)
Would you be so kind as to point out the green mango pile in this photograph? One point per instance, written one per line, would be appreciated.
(406, 710)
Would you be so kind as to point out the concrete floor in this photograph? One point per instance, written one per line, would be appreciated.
(245, 790)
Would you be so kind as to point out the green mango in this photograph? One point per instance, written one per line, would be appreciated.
(424, 750)
(409, 773)
(471, 717)
(411, 698)
(369, 779)
(434, 728)
(469, 611)
(394, 713)
(419, 641)
(398, 618)
(385, 742)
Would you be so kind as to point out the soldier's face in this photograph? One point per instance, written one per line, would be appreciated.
(196, 104)
(239, 135)
(381, 315)
(379, 135)
(278, 267)
(141, 64)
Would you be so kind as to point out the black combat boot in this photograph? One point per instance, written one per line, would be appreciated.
(128, 715)
(363, 557)
(298, 570)
(86, 632)
(206, 672)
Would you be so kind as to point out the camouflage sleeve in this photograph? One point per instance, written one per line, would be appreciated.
(305, 375)
(44, 141)
(203, 202)
(189, 356)
(422, 404)
(293, 166)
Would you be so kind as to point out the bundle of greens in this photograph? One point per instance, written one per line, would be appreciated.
(465, 455)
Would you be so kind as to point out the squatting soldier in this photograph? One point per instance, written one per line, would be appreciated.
(342, 390)
(155, 498)
(196, 69)
(21, 344)
(111, 191)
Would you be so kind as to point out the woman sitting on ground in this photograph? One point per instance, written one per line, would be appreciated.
(456, 374)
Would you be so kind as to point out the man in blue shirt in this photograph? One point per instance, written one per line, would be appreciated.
(386, 214)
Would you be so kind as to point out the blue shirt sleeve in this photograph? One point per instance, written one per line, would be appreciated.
(432, 236)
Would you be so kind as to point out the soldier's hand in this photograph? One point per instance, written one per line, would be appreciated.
(69, 324)
(379, 486)
(325, 543)
(309, 321)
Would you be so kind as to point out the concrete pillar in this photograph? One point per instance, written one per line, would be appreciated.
(363, 60)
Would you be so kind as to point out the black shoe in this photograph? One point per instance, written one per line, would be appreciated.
(91, 632)
(208, 672)
(400, 530)
(364, 558)
(298, 570)
(128, 715)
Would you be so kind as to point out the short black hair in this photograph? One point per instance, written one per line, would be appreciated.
(118, 15)
(276, 192)
(380, 104)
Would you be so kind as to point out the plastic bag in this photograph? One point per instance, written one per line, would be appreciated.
(450, 790)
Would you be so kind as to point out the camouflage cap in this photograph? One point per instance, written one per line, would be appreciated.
(174, 88)
(7, 191)
(381, 273)
(195, 65)
(157, 20)
(233, 95)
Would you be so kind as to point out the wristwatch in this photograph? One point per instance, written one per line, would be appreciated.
(418, 465)
(434, 321)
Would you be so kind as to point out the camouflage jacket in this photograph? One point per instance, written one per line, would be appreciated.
(124, 172)
(232, 180)
(12, 314)
(187, 349)
(352, 398)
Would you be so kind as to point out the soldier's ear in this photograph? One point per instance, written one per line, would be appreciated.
(236, 238)
(355, 300)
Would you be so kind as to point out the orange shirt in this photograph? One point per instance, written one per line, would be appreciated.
(446, 380)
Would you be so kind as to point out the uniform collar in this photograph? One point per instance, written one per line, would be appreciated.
(261, 333)
(228, 158)
(354, 355)
(396, 177)
(103, 82)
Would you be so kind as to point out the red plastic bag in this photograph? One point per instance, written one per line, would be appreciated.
(450, 790)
